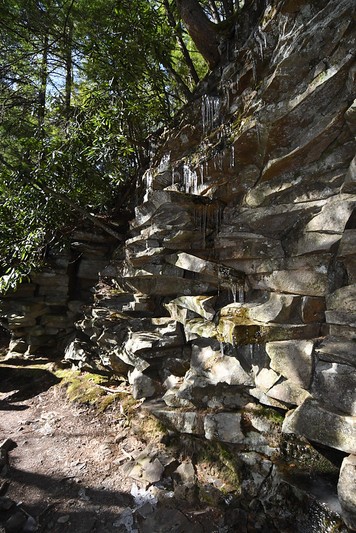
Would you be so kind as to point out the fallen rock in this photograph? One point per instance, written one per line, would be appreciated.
(142, 386)
(186, 472)
(346, 489)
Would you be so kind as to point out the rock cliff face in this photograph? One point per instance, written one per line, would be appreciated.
(234, 294)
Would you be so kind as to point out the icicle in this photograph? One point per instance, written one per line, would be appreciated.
(221, 349)
(176, 179)
(210, 108)
(241, 295)
(201, 172)
(186, 178)
(232, 156)
(233, 289)
(164, 163)
(190, 180)
(195, 182)
(173, 177)
(148, 180)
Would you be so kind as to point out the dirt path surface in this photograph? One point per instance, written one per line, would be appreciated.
(76, 469)
(68, 469)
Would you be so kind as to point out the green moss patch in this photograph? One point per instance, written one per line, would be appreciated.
(89, 389)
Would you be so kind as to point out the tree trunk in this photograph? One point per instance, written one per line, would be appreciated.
(185, 89)
(43, 86)
(69, 69)
(201, 29)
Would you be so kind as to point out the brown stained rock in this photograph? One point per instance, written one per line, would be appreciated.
(254, 334)
(313, 309)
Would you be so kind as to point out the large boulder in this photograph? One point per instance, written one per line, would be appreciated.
(346, 489)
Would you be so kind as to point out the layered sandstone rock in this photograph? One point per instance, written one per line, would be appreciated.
(235, 288)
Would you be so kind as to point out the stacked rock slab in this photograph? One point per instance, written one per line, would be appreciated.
(234, 294)
(40, 315)
(236, 288)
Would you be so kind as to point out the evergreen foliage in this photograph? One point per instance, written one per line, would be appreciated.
(82, 85)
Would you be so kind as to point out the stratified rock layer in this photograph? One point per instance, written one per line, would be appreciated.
(236, 286)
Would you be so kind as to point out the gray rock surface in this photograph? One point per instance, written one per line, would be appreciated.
(346, 489)
(236, 282)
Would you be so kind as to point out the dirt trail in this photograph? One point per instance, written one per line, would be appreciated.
(81, 470)
(68, 469)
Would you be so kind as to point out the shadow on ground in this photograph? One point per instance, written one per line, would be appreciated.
(68, 504)
(22, 384)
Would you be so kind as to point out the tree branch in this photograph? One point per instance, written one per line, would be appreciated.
(201, 29)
